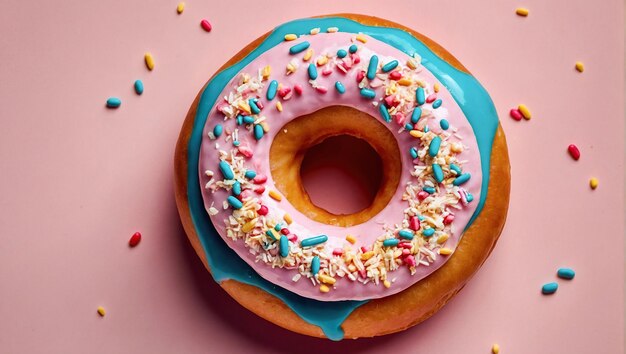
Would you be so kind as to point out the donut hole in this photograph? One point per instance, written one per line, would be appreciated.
(342, 174)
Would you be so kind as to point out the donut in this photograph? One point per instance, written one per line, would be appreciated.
(439, 210)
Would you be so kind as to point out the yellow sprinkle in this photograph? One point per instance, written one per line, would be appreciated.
(361, 38)
(149, 61)
(387, 284)
(275, 195)
(244, 106)
(442, 239)
(495, 349)
(436, 87)
(265, 126)
(247, 227)
(412, 63)
(287, 219)
(405, 82)
(416, 133)
(180, 8)
(593, 183)
(290, 37)
(322, 60)
(279, 106)
(267, 70)
(580, 66)
(326, 279)
(521, 11)
(367, 255)
(456, 147)
(332, 29)
(273, 234)
(324, 288)
(314, 31)
(101, 311)
(308, 55)
(351, 239)
(445, 251)
(524, 111)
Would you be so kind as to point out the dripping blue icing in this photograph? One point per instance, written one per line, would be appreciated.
(224, 262)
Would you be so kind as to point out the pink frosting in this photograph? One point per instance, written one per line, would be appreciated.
(310, 101)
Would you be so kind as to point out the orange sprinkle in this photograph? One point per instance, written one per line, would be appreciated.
(287, 219)
(275, 195)
(361, 38)
(520, 11)
(351, 239)
(324, 288)
(580, 66)
(101, 311)
(436, 87)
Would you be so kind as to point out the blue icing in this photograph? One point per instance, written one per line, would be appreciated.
(224, 262)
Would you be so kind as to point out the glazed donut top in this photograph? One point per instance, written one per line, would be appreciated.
(410, 238)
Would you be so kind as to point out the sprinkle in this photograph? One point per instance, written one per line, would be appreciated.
(313, 241)
(580, 66)
(324, 288)
(278, 227)
(368, 93)
(138, 87)
(271, 90)
(405, 81)
(288, 219)
(445, 251)
(396, 75)
(244, 106)
(353, 48)
(412, 63)
(266, 72)
(437, 103)
(326, 279)
(332, 29)
(341, 53)
(248, 119)
(387, 284)
(516, 114)
(431, 98)
(180, 8)
(307, 56)
(237, 188)
(549, 288)
(315, 265)
(415, 116)
(414, 224)
(372, 67)
(234, 202)
(416, 133)
(134, 239)
(249, 226)
(390, 66)
(428, 232)
(149, 61)
(279, 106)
(495, 349)
(290, 37)
(206, 25)
(574, 152)
(593, 183)
(361, 38)
(520, 11)
(321, 89)
(300, 47)
(455, 168)
(262, 210)
(312, 71)
(420, 96)
(433, 148)
(283, 246)
(275, 195)
(442, 239)
(254, 109)
(429, 190)
(461, 179)
(524, 111)
(436, 87)
(351, 239)
(367, 255)
(437, 173)
(340, 88)
(413, 152)
(384, 112)
(314, 31)
(101, 311)
(391, 242)
(258, 132)
(273, 234)
(406, 234)
(444, 124)
(260, 179)
(566, 273)
(217, 130)
(227, 171)
(114, 102)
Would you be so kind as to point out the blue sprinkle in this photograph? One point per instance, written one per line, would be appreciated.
(283, 246)
(368, 93)
(426, 129)
(342, 53)
(384, 112)
(420, 217)
(353, 48)
(234, 202)
(372, 67)
(566, 273)
(391, 242)
(271, 90)
(312, 241)
(444, 124)
(417, 113)
(236, 143)
(420, 96)
(237, 188)
(340, 88)
(239, 119)
(428, 232)
(455, 168)
(250, 174)
(390, 66)
(253, 107)
(248, 119)
(278, 227)
(461, 179)
(438, 173)
(315, 265)
(299, 47)
(469, 197)
(433, 148)
(227, 171)
(437, 104)
(114, 102)
(138, 87)
(408, 126)
(406, 234)
(429, 190)
(217, 130)
(413, 152)
(312, 71)
(549, 288)
(258, 132)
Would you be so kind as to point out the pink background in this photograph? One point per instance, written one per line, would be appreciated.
(79, 179)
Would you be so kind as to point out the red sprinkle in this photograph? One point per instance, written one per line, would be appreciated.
(321, 89)
(406, 252)
(422, 195)
(292, 237)
(431, 98)
(262, 210)
(414, 223)
(364, 249)
(259, 190)
(134, 239)
(259, 179)
(395, 75)
(245, 151)
(260, 104)
(284, 231)
(337, 252)
(327, 71)
(410, 260)
(355, 58)
(297, 89)
(574, 152)
(206, 25)
(407, 245)
(399, 118)
(516, 114)
(359, 76)
(448, 219)
(284, 92)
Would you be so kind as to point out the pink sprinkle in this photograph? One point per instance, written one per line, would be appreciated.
(259, 179)
(297, 89)
(262, 210)
(206, 25)
(448, 219)
(395, 75)
(260, 104)
(346, 63)
(422, 195)
(399, 118)
(414, 223)
(292, 237)
(284, 231)
(364, 249)
(431, 98)
(321, 89)
(360, 76)
(239, 197)
(327, 71)
(259, 190)
(407, 245)
(574, 152)
(516, 114)
(391, 101)
(406, 252)
(363, 273)
(355, 58)
(337, 252)
(245, 193)
(284, 92)
(410, 260)
(245, 151)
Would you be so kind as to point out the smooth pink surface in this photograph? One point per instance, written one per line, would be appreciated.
(79, 180)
